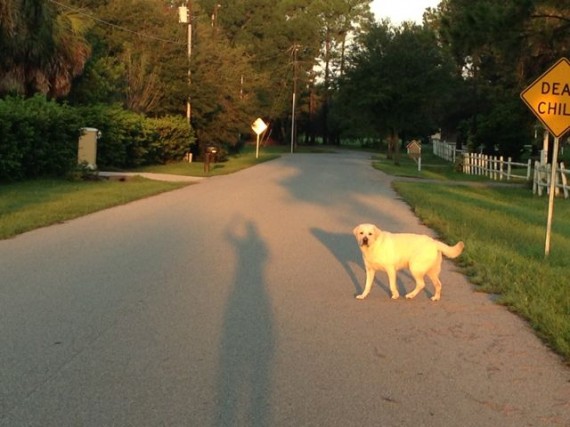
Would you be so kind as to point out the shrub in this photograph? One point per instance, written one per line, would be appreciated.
(172, 140)
(130, 140)
(38, 137)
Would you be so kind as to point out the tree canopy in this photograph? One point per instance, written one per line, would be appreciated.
(460, 71)
(396, 85)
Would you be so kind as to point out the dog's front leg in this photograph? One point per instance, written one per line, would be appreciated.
(370, 272)
(392, 280)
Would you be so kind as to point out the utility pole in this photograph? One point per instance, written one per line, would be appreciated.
(215, 15)
(185, 17)
(295, 49)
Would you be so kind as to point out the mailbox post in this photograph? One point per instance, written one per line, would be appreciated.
(209, 156)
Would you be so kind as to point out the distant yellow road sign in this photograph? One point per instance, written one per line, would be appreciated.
(259, 126)
(548, 97)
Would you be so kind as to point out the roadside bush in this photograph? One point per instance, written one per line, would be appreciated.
(121, 135)
(129, 140)
(38, 137)
(171, 141)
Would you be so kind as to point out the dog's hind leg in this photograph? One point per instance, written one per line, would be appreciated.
(434, 276)
(420, 284)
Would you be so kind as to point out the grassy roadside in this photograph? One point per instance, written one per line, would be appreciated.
(29, 205)
(235, 163)
(25, 206)
(504, 232)
(245, 159)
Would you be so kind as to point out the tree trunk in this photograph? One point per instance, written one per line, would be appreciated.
(394, 147)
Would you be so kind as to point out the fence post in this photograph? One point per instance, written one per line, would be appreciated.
(535, 178)
(565, 186)
(547, 177)
(528, 168)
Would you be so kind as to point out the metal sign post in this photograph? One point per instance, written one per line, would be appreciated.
(551, 197)
(548, 97)
(259, 126)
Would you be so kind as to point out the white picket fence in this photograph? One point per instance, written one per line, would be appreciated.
(496, 168)
(445, 150)
(542, 178)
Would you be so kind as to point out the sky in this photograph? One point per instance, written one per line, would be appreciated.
(401, 10)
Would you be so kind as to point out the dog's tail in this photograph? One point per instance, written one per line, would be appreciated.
(451, 251)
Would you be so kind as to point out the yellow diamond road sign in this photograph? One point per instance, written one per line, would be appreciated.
(549, 98)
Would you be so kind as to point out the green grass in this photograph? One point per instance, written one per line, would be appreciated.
(29, 205)
(235, 163)
(245, 159)
(433, 167)
(33, 204)
(504, 233)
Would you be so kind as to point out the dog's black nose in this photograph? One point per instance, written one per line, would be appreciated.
(365, 240)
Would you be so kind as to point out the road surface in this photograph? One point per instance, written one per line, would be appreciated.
(231, 303)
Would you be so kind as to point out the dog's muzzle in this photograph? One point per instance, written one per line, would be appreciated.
(365, 241)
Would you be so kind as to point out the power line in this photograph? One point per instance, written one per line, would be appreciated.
(110, 24)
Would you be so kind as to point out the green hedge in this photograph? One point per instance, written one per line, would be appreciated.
(130, 140)
(39, 137)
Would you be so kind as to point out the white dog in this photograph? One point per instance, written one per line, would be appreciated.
(391, 252)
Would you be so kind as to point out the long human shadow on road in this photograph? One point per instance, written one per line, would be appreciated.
(247, 343)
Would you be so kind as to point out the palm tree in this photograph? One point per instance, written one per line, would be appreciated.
(43, 47)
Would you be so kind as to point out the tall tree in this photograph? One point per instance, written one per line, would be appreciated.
(43, 47)
(500, 47)
(340, 22)
(396, 83)
(224, 88)
(139, 57)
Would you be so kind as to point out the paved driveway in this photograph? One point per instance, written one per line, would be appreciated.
(231, 303)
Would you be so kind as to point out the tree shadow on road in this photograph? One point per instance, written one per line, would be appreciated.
(247, 343)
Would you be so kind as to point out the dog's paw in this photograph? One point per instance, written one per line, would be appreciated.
(395, 296)
(435, 298)
(361, 296)
(410, 296)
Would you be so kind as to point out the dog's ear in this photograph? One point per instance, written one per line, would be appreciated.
(356, 230)
(377, 231)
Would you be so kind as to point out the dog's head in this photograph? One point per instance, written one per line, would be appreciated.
(366, 234)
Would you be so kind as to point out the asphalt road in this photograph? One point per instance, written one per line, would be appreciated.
(231, 303)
